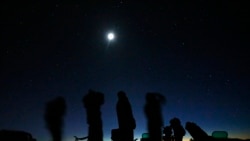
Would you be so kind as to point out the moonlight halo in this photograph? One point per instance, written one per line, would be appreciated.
(111, 36)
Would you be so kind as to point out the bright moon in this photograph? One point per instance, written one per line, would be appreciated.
(111, 36)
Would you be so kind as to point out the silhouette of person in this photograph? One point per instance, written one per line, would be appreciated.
(195, 131)
(125, 116)
(92, 103)
(55, 110)
(179, 131)
(167, 131)
(153, 113)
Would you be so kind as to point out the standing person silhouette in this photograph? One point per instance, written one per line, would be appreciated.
(92, 102)
(125, 117)
(153, 113)
(55, 111)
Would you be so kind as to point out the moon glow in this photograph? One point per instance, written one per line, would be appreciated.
(111, 36)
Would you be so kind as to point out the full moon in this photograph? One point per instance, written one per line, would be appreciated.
(111, 36)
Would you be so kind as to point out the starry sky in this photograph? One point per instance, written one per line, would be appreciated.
(195, 54)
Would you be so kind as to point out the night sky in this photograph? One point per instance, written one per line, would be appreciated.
(196, 54)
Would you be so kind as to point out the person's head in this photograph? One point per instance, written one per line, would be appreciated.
(93, 98)
(175, 121)
(167, 130)
(155, 97)
(121, 95)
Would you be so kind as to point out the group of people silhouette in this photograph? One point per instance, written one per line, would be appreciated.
(92, 102)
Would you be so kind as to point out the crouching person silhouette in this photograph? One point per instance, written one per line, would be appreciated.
(179, 131)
